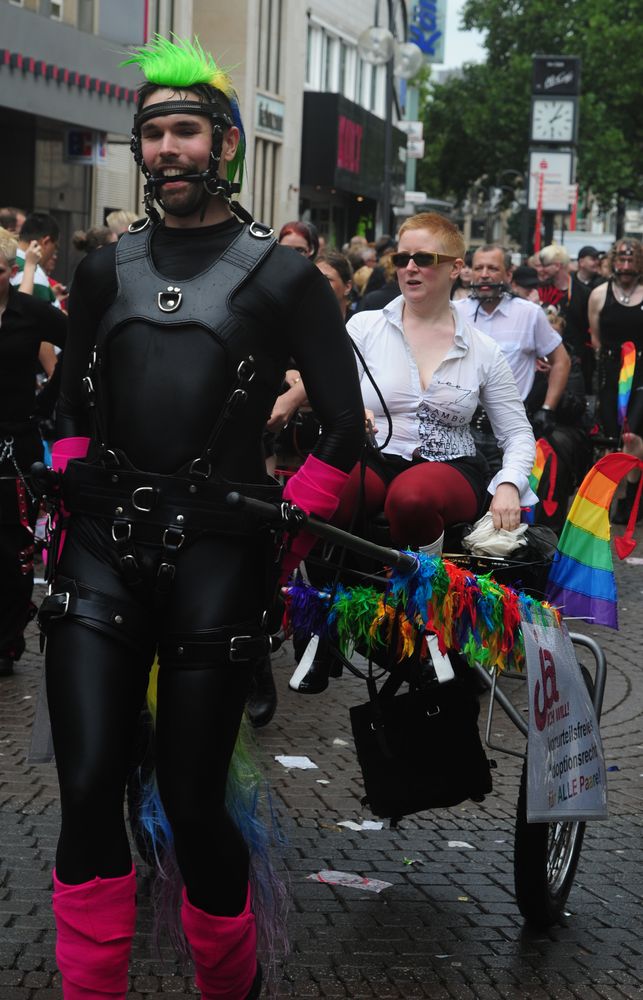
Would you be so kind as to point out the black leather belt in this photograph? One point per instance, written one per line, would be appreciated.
(162, 502)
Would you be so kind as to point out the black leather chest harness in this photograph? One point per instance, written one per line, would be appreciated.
(153, 508)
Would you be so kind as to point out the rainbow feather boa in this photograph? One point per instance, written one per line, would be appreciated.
(473, 615)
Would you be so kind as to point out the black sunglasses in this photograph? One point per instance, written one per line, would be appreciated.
(425, 258)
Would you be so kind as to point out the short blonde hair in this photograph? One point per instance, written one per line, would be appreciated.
(554, 254)
(8, 245)
(446, 231)
(120, 219)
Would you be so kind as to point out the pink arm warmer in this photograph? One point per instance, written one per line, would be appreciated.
(316, 488)
(66, 448)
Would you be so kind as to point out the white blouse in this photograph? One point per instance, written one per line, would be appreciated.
(436, 420)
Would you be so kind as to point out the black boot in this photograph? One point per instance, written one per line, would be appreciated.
(262, 701)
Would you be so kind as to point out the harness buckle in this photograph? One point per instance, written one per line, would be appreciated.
(138, 501)
(89, 389)
(246, 370)
(55, 609)
(164, 577)
(260, 231)
(173, 539)
(196, 470)
(234, 654)
(237, 399)
(116, 534)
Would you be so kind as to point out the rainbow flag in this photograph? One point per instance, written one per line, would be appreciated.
(544, 453)
(625, 379)
(581, 580)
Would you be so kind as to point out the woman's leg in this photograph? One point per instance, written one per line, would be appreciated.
(424, 499)
(367, 500)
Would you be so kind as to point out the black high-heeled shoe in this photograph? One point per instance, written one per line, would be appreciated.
(313, 669)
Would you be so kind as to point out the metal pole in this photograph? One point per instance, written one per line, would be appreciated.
(388, 147)
(388, 122)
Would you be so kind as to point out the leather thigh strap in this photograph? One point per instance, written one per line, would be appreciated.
(218, 647)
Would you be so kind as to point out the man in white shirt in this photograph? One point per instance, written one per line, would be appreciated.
(520, 328)
(528, 342)
(43, 229)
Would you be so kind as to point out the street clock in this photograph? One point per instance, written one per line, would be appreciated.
(553, 119)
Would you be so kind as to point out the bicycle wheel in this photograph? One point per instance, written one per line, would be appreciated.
(545, 858)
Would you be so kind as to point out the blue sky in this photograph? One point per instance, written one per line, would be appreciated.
(460, 46)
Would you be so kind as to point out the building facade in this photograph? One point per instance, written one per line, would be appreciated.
(312, 108)
(66, 107)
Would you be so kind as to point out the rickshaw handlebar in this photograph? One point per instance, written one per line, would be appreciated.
(290, 516)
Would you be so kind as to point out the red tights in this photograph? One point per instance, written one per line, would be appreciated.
(418, 503)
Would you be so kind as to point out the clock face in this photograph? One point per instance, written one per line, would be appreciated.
(553, 120)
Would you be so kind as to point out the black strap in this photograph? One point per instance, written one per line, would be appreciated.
(153, 502)
(204, 652)
(119, 619)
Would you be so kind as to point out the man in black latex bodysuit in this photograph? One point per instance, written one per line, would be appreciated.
(179, 338)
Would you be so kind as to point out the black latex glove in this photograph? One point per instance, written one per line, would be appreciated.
(543, 423)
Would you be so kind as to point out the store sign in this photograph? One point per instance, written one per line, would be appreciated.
(556, 75)
(269, 116)
(85, 146)
(550, 175)
(427, 28)
(349, 145)
(414, 139)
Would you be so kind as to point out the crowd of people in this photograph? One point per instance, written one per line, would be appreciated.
(426, 369)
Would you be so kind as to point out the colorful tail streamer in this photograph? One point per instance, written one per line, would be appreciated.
(581, 580)
(248, 800)
(625, 380)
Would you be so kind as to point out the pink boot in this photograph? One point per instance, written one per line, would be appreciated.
(95, 926)
(224, 950)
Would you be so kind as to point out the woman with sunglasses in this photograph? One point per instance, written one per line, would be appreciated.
(432, 369)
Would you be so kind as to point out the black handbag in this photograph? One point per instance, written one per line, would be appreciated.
(422, 749)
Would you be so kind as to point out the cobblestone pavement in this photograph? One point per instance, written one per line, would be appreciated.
(447, 928)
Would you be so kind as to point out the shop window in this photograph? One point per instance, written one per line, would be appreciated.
(52, 8)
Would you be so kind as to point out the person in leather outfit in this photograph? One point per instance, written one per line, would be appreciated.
(179, 337)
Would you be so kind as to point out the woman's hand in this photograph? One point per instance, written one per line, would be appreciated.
(505, 507)
(282, 413)
(369, 417)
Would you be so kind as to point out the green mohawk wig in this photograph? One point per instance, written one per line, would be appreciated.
(181, 64)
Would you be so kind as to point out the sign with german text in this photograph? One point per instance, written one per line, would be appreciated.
(554, 170)
(566, 778)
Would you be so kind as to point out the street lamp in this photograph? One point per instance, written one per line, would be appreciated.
(379, 46)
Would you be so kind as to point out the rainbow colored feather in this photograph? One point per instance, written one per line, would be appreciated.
(581, 580)
(473, 615)
(625, 380)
